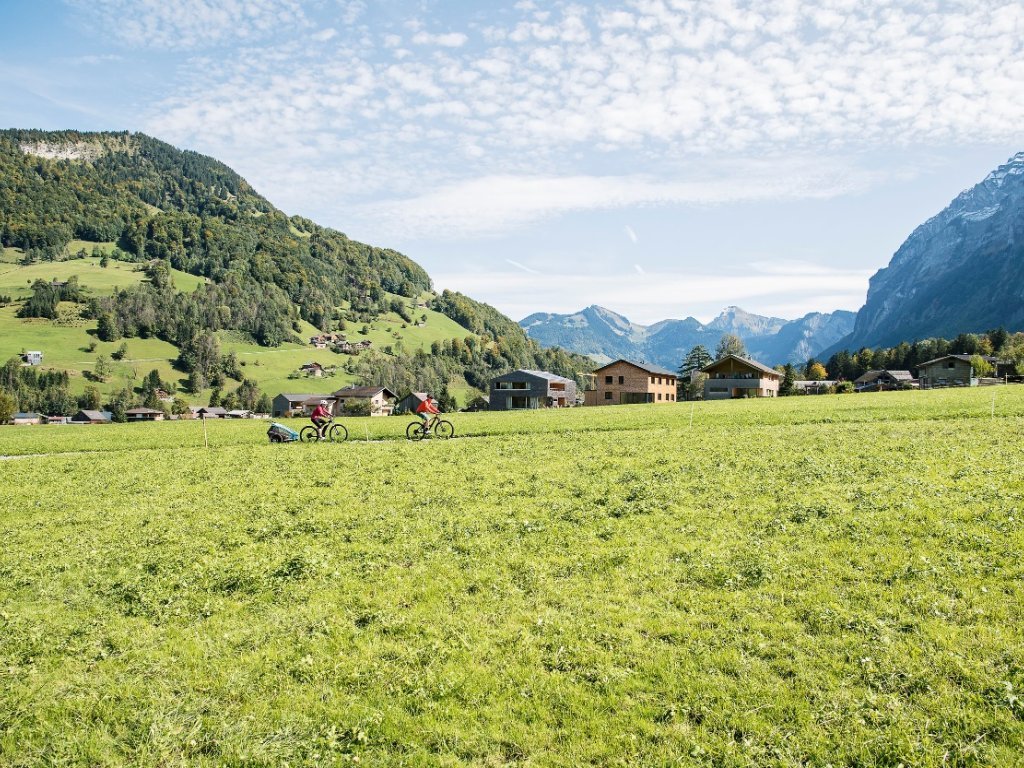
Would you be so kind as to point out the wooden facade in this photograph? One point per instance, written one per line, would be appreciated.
(957, 371)
(734, 377)
(526, 389)
(625, 382)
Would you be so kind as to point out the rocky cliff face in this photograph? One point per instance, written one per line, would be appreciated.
(960, 271)
(605, 335)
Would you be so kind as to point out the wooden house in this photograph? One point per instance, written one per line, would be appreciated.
(287, 405)
(410, 402)
(92, 417)
(733, 376)
(883, 380)
(144, 414)
(526, 389)
(313, 369)
(625, 382)
(381, 399)
(957, 371)
(211, 412)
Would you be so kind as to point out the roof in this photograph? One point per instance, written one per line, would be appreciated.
(901, 375)
(238, 412)
(539, 374)
(94, 415)
(25, 415)
(417, 395)
(363, 392)
(655, 369)
(298, 398)
(965, 358)
(142, 411)
(212, 409)
(746, 361)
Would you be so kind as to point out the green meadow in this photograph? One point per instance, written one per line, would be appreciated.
(818, 581)
(66, 342)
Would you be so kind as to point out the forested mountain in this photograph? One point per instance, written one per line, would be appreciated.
(168, 209)
(605, 335)
(962, 270)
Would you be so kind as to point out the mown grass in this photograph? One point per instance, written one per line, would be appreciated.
(815, 581)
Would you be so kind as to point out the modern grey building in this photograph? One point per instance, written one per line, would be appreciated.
(524, 389)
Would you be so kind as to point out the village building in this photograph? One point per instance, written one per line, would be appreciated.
(32, 358)
(625, 382)
(144, 414)
(381, 400)
(239, 413)
(733, 376)
(287, 405)
(526, 389)
(410, 402)
(92, 417)
(209, 412)
(957, 371)
(25, 417)
(324, 340)
(883, 380)
(352, 347)
(808, 387)
(312, 369)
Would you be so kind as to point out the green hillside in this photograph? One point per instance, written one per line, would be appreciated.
(176, 262)
(790, 582)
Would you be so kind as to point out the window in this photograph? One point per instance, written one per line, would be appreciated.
(607, 395)
(518, 402)
(513, 385)
(951, 364)
(719, 389)
(608, 379)
(659, 395)
(622, 379)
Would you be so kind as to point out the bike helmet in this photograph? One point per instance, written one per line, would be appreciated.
(323, 402)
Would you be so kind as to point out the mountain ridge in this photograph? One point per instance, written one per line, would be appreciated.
(604, 334)
(961, 271)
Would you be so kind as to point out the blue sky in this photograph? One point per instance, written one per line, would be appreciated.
(662, 158)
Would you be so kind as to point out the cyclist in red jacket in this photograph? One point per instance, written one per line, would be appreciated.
(426, 409)
(321, 415)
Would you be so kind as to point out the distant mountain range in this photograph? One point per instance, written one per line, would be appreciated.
(605, 335)
(962, 271)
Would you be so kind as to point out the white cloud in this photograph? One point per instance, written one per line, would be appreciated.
(494, 204)
(325, 34)
(189, 24)
(445, 40)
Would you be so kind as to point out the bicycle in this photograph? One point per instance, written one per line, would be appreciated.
(420, 429)
(336, 433)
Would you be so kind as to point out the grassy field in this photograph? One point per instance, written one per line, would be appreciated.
(800, 582)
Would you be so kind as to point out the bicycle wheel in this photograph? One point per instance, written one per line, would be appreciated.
(414, 431)
(337, 433)
(444, 429)
(309, 435)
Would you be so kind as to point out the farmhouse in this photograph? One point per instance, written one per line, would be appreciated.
(956, 371)
(352, 348)
(881, 380)
(312, 369)
(624, 382)
(287, 405)
(26, 418)
(32, 358)
(808, 387)
(381, 400)
(324, 340)
(410, 402)
(209, 412)
(144, 414)
(92, 417)
(733, 376)
(526, 389)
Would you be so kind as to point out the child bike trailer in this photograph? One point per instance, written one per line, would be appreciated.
(279, 433)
